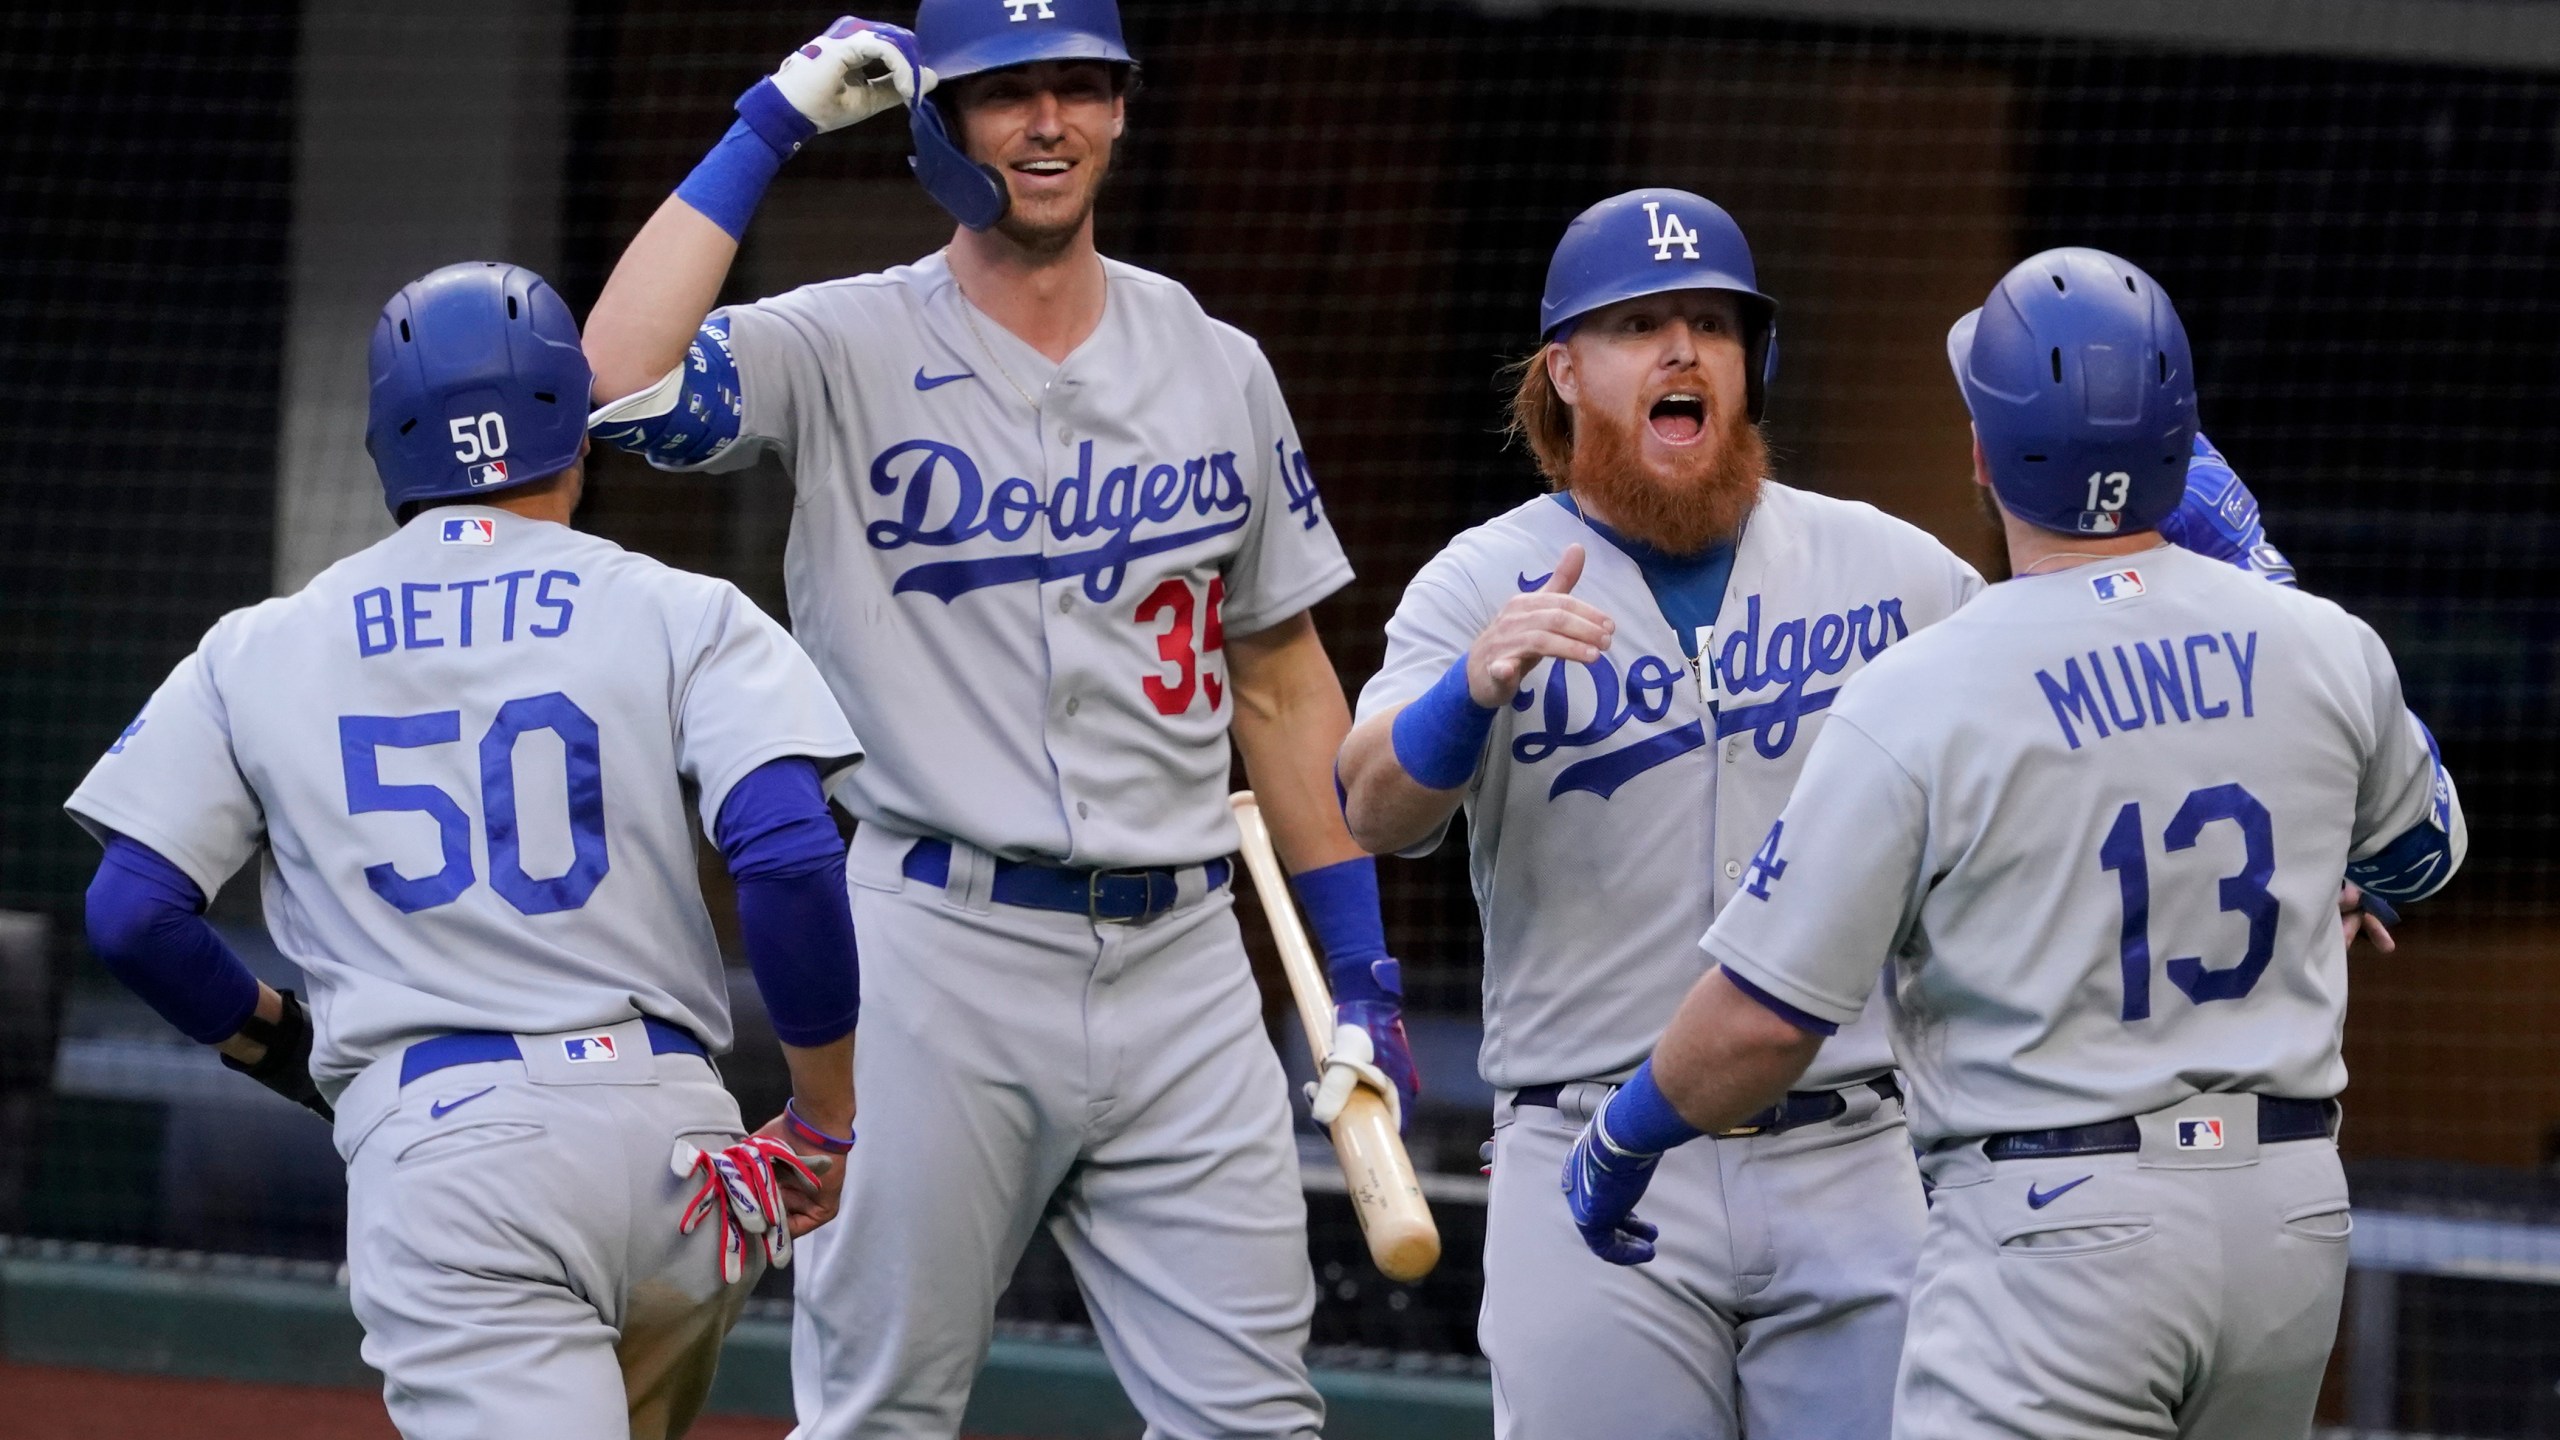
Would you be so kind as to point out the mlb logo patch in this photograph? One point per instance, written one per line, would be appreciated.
(2119, 585)
(483, 476)
(472, 531)
(2092, 522)
(597, 1049)
(2204, 1134)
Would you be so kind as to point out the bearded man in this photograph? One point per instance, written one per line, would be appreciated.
(1617, 798)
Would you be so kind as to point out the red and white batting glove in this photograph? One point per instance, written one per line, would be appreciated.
(740, 1187)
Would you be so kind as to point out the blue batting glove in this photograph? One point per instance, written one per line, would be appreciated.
(1602, 1184)
(1383, 1020)
(2218, 517)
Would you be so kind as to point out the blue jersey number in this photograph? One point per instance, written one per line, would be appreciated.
(2245, 893)
(360, 738)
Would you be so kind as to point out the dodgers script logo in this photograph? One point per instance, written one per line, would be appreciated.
(1582, 705)
(1128, 512)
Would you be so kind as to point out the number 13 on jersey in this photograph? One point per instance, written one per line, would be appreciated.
(2123, 852)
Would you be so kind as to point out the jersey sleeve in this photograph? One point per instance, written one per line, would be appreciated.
(1836, 883)
(751, 696)
(774, 353)
(1290, 558)
(2404, 784)
(172, 782)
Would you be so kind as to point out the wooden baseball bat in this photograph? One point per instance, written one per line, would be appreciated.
(1403, 1240)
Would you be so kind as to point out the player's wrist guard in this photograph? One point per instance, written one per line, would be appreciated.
(1440, 736)
(807, 1133)
(1341, 905)
(286, 1067)
(1638, 1121)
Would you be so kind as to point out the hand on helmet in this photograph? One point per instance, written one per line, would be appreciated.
(2219, 517)
(855, 70)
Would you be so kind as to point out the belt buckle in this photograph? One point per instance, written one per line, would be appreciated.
(1739, 1131)
(1093, 882)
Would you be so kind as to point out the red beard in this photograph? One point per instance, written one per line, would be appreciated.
(1704, 500)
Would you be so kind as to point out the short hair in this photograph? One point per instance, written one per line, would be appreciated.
(1541, 419)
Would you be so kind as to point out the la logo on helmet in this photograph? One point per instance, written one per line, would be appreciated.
(1663, 238)
(1022, 9)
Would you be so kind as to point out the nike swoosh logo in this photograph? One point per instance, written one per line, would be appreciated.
(2038, 1199)
(932, 382)
(1527, 584)
(442, 1108)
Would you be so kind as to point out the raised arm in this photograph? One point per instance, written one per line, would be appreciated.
(1404, 772)
(672, 271)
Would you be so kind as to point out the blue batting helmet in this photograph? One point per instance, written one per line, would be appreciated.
(1649, 242)
(967, 37)
(478, 385)
(2083, 393)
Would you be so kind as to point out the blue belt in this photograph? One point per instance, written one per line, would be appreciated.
(471, 1047)
(1113, 896)
(2279, 1120)
(1799, 1109)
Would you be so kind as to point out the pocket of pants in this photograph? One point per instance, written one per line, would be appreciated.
(466, 1140)
(2327, 1222)
(2081, 1235)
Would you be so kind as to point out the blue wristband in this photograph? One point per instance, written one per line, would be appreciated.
(1440, 737)
(1639, 1119)
(1341, 902)
(730, 182)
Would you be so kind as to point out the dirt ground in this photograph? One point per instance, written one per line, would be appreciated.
(48, 1404)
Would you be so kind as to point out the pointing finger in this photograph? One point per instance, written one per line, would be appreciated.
(1568, 571)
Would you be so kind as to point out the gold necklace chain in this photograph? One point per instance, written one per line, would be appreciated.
(2038, 567)
(968, 316)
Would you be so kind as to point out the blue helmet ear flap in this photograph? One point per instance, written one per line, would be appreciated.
(974, 194)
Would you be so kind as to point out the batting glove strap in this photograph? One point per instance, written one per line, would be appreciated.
(286, 1066)
(739, 1187)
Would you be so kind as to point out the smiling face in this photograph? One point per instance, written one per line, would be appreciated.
(1048, 129)
(1664, 450)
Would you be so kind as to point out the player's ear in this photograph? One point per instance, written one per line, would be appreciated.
(1119, 115)
(1560, 373)
(1981, 471)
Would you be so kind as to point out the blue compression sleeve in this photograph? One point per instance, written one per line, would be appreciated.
(1440, 737)
(1341, 902)
(146, 924)
(730, 182)
(1640, 1119)
(782, 849)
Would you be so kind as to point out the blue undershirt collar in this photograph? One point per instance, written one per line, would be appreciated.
(1687, 589)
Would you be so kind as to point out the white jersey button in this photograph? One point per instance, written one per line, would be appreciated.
(1081, 811)
(1072, 704)
(1066, 601)
(1732, 869)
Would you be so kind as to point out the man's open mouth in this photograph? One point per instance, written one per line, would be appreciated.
(1679, 418)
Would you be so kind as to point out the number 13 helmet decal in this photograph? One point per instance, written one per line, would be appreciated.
(2082, 390)
(478, 385)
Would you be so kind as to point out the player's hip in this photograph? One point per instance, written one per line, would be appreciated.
(636, 1074)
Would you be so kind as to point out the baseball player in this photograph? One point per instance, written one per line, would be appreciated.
(461, 752)
(1619, 682)
(1070, 513)
(2097, 819)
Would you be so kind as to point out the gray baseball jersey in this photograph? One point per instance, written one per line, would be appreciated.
(1047, 556)
(2099, 820)
(1622, 774)
(459, 749)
